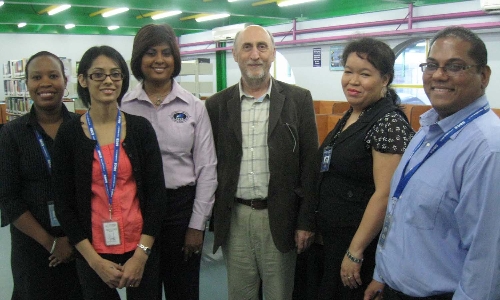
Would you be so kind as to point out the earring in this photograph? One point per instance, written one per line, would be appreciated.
(67, 93)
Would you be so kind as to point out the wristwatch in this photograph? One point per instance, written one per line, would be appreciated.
(145, 249)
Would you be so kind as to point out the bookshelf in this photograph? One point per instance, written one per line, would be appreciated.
(17, 100)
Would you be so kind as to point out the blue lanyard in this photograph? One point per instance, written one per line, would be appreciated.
(110, 189)
(44, 150)
(445, 138)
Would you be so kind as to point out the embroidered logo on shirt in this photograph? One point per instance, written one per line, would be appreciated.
(180, 116)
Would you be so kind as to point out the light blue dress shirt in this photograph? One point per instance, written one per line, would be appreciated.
(445, 231)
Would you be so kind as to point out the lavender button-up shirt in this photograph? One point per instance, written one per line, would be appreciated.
(186, 142)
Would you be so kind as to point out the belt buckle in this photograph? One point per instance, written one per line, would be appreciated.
(251, 204)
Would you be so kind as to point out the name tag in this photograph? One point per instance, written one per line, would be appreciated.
(111, 233)
(52, 215)
(327, 155)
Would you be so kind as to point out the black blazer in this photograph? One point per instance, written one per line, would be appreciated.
(292, 142)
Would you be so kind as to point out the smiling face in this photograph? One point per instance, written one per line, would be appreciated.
(449, 94)
(158, 63)
(105, 91)
(254, 52)
(361, 82)
(46, 82)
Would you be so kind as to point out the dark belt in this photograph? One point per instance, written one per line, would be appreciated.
(260, 203)
(392, 294)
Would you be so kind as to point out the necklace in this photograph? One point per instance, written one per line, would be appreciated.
(159, 98)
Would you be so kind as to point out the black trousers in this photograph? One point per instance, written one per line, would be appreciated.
(336, 241)
(180, 279)
(95, 289)
(32, 276)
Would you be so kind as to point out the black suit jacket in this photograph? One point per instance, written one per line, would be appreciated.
(292, 143)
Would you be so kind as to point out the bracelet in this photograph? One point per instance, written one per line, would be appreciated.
(53, 246)
(352, 258)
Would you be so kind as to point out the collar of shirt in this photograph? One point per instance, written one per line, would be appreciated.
(33, 121)
(431, 117)
(267, 94)
(138, 93)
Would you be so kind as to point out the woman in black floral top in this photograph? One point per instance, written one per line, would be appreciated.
(357, 159)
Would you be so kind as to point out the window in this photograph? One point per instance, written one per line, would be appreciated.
(407, 74)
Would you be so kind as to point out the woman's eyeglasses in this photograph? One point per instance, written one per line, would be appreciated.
(117, 76)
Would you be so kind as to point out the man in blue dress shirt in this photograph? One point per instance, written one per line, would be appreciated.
(441, 234)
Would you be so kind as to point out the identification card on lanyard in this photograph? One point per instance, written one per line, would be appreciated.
(50, 205)
(110, 228)
(327, 156)
(405, 177)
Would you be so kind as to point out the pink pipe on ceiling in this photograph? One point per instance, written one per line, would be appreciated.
(409, 20)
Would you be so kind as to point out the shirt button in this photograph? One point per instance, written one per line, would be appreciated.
(251, 173)
(251, 149)
(428, 145)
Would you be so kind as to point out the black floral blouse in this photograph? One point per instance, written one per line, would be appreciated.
(390, 134)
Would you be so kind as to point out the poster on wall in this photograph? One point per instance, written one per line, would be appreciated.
(316, 57)
(336, 57)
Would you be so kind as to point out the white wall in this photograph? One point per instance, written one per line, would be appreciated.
(323, 83)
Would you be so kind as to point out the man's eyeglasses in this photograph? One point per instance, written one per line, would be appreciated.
(450, 69)
(117, 76)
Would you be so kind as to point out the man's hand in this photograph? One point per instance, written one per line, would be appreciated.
(303, 239)
(374, 290)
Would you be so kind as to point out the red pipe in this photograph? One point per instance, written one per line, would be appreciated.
(409, 31)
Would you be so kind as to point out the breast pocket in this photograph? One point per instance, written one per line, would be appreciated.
(424, 203)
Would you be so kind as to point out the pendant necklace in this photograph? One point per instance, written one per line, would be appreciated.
(159, 98)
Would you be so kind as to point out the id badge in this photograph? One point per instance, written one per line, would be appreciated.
(52, 215)
(327, 155)
(111, 233)
(385, 230)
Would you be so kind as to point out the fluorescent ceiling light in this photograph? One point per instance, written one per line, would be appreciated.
(1, 3)
(292, 2)
(232, 0)
(58, 9)
(69, 26)
(115, 12)
(212, 17)
(166, 14)
(113, 27)
(21, 25)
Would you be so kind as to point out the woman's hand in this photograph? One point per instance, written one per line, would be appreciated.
(193, 243)
(108, 271)
(133, 270)
(350, 273)
(63, 252)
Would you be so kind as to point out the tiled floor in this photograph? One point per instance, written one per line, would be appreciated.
(213, 281)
